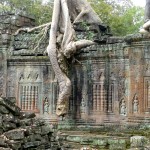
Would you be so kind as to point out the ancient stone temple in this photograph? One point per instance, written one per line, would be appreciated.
(111, 81)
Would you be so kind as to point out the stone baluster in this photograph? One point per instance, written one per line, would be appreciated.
(29, 97)
(22, 97)
(111, 92)
(94, 97)
(33, 101)
(26, 98)
(36, 97)
(98, 97)
(102, 97)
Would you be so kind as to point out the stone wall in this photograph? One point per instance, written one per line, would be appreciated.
(10, 22)
(110, 82)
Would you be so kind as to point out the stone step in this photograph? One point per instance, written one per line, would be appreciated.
(138, 120)
(80, 139)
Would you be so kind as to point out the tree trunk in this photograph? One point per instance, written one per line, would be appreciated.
(62, 42)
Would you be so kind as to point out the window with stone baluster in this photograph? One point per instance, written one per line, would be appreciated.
(29, 97)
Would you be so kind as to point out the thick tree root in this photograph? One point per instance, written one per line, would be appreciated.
(62, 38)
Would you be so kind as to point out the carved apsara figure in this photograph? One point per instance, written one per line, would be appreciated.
(135, 104)
(46, 106)
(123, 107)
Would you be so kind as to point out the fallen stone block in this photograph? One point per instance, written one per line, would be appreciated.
(26, 122)
(138, 141)
(2, 148)
(15, 145)
(16, 134)
(26, 115)
(8, 126)
(3, 110)
(46, 129)
(32, 144)
(3, 142)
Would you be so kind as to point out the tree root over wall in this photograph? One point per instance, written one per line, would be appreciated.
(62, 42)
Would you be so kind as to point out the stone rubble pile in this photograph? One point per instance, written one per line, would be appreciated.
(23, 131)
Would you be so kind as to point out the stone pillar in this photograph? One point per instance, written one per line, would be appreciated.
(84, 94)
(54, 91)
(3, 71)
(116, 102)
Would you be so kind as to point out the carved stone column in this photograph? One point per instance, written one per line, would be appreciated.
(84, 105)
(3, 71)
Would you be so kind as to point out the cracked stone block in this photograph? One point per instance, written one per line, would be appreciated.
(86, 140)
(26, 122)
(12, 100)
(73, 138)
(3, 142)
(33, 137)
(3, 110)
(8, 126)
(45, 129)
(6, 37)
(117, 144)
(2, 148)
(26, 115)
(32, 144)
(10, 106)
(36, 130)
(137, 141)
(38, 122)
(9, 118)
(16, 134)
(99, 142)
(15, 145)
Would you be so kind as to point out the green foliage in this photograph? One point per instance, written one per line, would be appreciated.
(89, 34)
(121, 15)
(42, 12)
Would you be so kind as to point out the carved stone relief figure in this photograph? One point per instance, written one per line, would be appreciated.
(45, 106)
(28, 76)
(82, 106)
(135, 104)
(147, 68)
(112, 76)
(123, 108)
(102, 76)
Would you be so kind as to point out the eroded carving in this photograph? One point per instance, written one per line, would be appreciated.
(45, 106)
(135, 104)
(123, 108)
